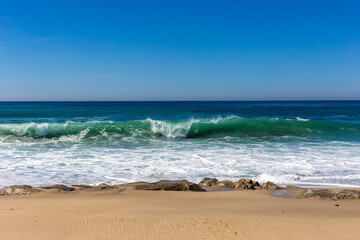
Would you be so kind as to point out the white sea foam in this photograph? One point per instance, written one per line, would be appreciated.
(171, 130)
(300, 163)
(302, 119)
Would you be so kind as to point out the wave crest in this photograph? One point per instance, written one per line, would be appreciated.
(171, 129)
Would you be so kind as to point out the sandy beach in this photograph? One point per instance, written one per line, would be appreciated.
(139, 214)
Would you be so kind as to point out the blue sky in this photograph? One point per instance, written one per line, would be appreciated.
(179, 50)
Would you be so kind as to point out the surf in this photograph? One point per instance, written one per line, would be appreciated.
(190, 128)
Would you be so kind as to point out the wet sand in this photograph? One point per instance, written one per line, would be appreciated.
(137, 214)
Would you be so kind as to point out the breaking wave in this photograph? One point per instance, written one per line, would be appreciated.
(192, 128)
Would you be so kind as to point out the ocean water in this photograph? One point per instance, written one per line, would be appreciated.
(301, 143)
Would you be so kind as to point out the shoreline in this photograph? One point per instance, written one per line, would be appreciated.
(206, 185)
(283, 185)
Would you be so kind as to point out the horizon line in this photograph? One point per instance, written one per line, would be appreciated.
(300, 100)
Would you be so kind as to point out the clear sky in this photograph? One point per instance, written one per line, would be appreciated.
(179, 50)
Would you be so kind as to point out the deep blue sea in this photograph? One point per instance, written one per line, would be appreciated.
(296, 142)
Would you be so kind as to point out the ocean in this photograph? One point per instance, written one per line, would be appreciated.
(303, 143)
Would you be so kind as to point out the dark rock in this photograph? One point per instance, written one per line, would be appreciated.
(167, 185)
(147, 186)
(346, 194)
(179, 185)
(18, 190)
(104, 186)
(208, 182)
(324, 193)
(270, 185)
(320, 193)
(241, 184)
(60, 187)
(226, 183)
(213, 182)
(349, 191)
(245, 184)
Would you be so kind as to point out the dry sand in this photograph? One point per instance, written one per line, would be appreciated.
(157, 215)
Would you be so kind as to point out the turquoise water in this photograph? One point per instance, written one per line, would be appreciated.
(301, 143)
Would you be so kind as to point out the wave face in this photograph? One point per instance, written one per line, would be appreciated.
(193, 128)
